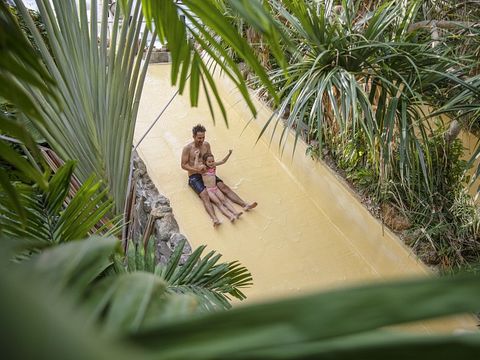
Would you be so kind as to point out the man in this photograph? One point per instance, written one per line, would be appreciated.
(195, 174)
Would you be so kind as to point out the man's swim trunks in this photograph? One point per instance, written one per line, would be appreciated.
(196, 183)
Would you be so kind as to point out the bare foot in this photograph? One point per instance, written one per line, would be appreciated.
(250, 206)
(239, 214)
(216, 223)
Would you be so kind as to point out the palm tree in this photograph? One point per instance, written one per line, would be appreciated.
(364, 80)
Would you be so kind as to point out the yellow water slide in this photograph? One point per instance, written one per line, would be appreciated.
(309, 231)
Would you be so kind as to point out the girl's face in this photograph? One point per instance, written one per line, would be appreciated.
(210, 161)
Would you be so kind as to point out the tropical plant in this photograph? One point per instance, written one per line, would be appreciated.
(211, 283)
(19, 63)
(367, 75)
(39, 304)
(99, 86)
(106, 283)
(57, 214)
(465, 106)
(40, 25)
(362, 80)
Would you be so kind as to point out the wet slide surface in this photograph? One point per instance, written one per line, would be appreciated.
(309, 232)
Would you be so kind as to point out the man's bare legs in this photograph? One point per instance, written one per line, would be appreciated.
(229, 193)
(209, 207)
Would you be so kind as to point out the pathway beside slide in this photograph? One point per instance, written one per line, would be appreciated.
(309, 232)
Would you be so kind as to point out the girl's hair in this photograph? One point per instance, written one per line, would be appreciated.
(206, 156)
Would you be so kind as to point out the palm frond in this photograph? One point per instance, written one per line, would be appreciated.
(212, 283)
(366, 80)
(307, 326)
(317, 325)
(75, 265)
(18, 64)
(99, 84)
(53, 218)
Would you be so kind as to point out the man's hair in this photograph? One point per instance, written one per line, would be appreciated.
(206, 156)
(198, 128)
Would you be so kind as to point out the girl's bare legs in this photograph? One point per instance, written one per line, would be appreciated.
(209, 207)
(221, 207)
(229, 206)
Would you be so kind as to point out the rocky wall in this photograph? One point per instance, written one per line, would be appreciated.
(153, 215)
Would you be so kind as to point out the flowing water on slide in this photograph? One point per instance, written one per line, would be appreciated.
(309, 232)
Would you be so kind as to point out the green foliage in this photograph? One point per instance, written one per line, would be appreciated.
(19, 63)
(38, 305)
(210, 30)
(358, 89)
(124, 299)
(442, 219)
(47, 324)
(130, 302)
(49, 220)
(50, 302)
(99, 85)
(209, 282)
(437, 225)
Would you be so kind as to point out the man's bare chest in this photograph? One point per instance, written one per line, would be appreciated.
(193, 150)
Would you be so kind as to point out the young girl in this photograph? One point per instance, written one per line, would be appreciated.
(209, 180)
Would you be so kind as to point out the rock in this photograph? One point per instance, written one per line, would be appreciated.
(163, 252)
(163, 200)
(165, 227)
(175, 239)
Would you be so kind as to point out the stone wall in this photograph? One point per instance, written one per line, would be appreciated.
(153, 215)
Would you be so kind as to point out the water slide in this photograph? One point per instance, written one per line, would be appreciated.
(309, 231)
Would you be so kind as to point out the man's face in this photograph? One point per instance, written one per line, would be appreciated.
(199, 138)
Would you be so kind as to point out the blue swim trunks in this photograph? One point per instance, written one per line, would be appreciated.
(196, 182)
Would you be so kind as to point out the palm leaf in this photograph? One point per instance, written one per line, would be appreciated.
(49, 220)
(75, 265)
(338, 63)
(324, 324)
(99, 87)
(202, 276)
(128, 302)
(203, 20)
(49, 312)
(19, 62)
(338, 324)
(211, 283)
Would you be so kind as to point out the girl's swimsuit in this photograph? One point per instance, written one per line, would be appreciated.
(196, 182)
(212, 172)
